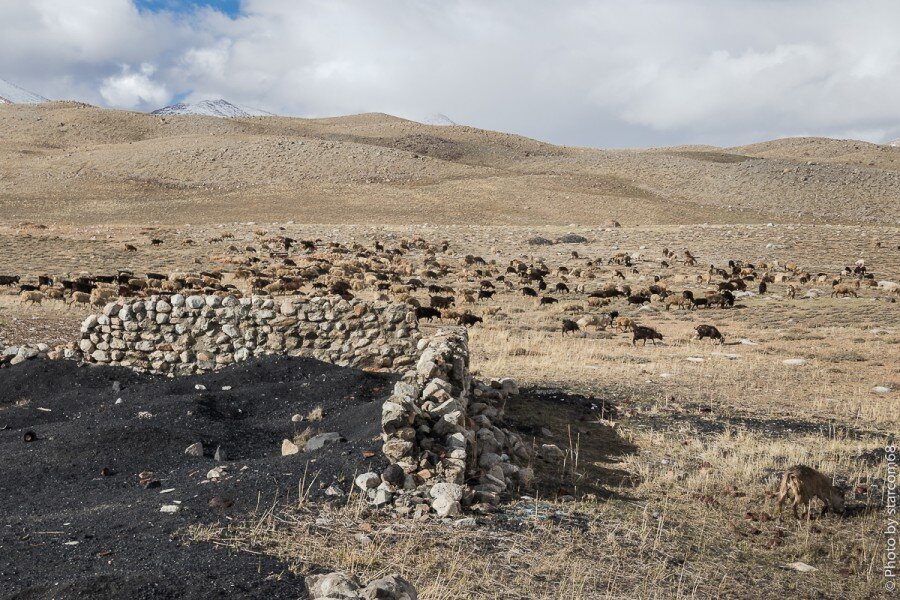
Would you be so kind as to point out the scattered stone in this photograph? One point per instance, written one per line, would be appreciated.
(794, 362)
(195, 449)
(368, 481)
(288, 448)
(321, 440)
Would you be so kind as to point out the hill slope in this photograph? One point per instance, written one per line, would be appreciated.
(73, 162)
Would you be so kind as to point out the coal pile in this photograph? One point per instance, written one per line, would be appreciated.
(97, 491)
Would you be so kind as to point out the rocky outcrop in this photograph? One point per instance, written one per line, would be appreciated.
(194, 334)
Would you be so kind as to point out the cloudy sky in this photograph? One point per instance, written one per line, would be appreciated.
(588, 72)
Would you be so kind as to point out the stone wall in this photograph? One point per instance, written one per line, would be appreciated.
(440, 433)
(194, 334)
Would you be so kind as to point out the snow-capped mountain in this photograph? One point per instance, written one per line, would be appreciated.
(438, 119)
(13, 94)
(894, 143)
(211, 108)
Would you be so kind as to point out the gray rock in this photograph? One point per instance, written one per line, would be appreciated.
(368, 481)
(320, 440)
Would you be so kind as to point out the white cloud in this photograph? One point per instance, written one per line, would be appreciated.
(598, 72)
(131, 89)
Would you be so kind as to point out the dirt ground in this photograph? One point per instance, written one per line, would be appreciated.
(673, 450)
(77, 524)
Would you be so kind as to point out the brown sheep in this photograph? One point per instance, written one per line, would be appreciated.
(32, 296)
(624, 324)
(805, 483)
(845, 289)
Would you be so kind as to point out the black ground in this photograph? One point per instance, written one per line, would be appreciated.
(69, 531)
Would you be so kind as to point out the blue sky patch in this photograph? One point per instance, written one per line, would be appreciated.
(232, 8)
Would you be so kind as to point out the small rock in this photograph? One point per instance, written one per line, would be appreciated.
(288, 448)
(195, 449)
(321, 440)
(368, 481)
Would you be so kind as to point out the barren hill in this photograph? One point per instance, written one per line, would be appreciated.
(63, 161)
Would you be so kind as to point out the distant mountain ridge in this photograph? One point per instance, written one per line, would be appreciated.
(13, 94)
(211, 108)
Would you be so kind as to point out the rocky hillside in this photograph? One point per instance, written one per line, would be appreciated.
(73, 162)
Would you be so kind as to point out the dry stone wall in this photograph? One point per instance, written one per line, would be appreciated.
(440, 433)
(183, 335)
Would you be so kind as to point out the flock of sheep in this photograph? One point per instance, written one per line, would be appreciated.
(442, 284)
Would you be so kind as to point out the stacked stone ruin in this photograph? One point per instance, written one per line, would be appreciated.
(196, 334)
(439, 427)
(439, 433)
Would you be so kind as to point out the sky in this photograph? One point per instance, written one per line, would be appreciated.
(613, 74)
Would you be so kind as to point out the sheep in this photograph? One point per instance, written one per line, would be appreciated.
(31, 296)
(679, 301)
(562, 288)
(569, 326)
(599, 322)
(805, 483)
(527, 291)
(645, 333)
(548, 300)
(427, 313)
(597, 302)
(468, 320)
(130, 248)
(845, 289)
(624, 324)
(79, 298)
(9, 280)
(442, 301)
(708, 331)
(485, 294)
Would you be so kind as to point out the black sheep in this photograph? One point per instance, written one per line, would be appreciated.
(427, 313)
(709, 331)
(569, 326)
(645, 333)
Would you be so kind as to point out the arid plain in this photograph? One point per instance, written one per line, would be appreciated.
(674, 451)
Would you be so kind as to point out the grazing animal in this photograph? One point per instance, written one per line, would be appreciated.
(32, 296)
(155, 242)
(130, 248)
(548, 300)
(569, 326)
(645, 333)
(427, 313)
(709, 331)
(527, 291)
(792, 292)
(467, 320)
(624, 324)
(442, 301)
(845, 289)
(9, 279)
(762, 287)
(485, 294)
(562, 288)
(679, 301)
(805, 483)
